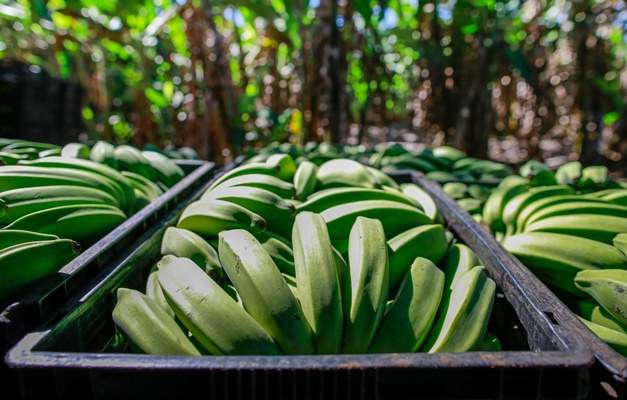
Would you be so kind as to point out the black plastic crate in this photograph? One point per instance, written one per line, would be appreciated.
(77, 357)
(43, 302)
(609, 373)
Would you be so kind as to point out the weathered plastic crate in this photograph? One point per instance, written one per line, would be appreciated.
(43, 302)
(78, 356)
(609, 373)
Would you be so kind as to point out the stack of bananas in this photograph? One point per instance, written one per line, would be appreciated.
(290, 257)
(57, 200)
(565, 226)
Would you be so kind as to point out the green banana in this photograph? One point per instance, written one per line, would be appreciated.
(342, 172)
(472, 206)
(578, 207)
(522, 200)
(479, 192)
(366, 292)
(617, 196)
(602, 228)
(264, 292)
(11, 237)
(319, 292)
(185, 243)
(154, 291)
(490, 342)
(381, 178)
(281, 253)
(464, 317)
(166, 171)
(538, 173)
(277, 186)
(593, 177)
(89, 166)
(563, 256)
(396, 217)
(49, 153)
(305, 179)
(131, 159)
(408, 162)
(26, 264)
(85, 224)
(285, 164)
(541, 204)
(147, 327)
(23, 201)
(455, 190)
(620, 242)
(103, 152)
(76, 150)
(276, 211)
(608, 287)
(8, 158)
(592, 311)
(424, 199)
(327, 198)
(246, 169)
(219, 324)
(569, 173)
(494, 205)
(209, 217)
(458, 259)
(24, 144)
(409, 318)
(447, 154)
(21, 176)
(426, 241)
(615, 339)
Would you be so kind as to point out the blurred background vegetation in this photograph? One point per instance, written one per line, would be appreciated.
(504, 80)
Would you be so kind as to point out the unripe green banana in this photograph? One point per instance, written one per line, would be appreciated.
(366, 293)
(538, 173)
(620, 242)
(76, 150)
(464, 319)
(409, 318)
(577, 207)
(246, 169)
(424, 199)
(11, 237)
(458, 260)
(103, 152)
(569, 173)
(602, 228)
(210, 217)
(593, 177)
(319, 292)
(147, 327)
(396, 217)
(618, 196)
(541, 204)
(131, 159)
(305, 179)
(23, 201)
(455, 190)
(185, 243)
(23, 144)
(408, 162)
(489, 343)
(286, 165)
(592, 311)
(615, 339)
(426, 241)
(608, 287)
(563, 256)
(26, 264)
(381, 178)
(210, 314)
(154, 291)
(264, 292)
(324, 199)
(342, 172)
(521, 200)
(166, 170)
(447, 154)
(281, 253)
(139, 182)
(85, 224)
(277, 186)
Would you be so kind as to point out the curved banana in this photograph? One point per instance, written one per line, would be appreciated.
(103, 152)
(319, 292)
(569, 173)
(281, 253)
(154, 291)
(219, 324)
(210, 217)
(396, 217)
(424, 199)
(592, 311)
(277, 186)
(185, 243)
(381, 178)
(458, 259)
(246, 169)
(538, 173)
(131, 159)
(305, 179)
(608, 287)
(285, 164)
(26, 264)
(76, 150)
(555, 254)
(11, 237)
(602, 228)
(465, 314)
(578, 207)
(615, 339)
(342, 172)
(618, 196)
(264, 291)
(620, 242)
(166, 170)
(366, 294)
(593, 177)
(23, 201)
(328, 198)
(409, 318)
(425, 241)
(147, 327)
